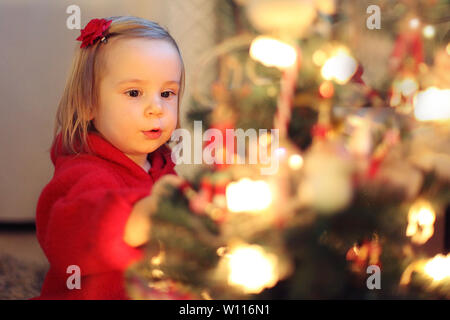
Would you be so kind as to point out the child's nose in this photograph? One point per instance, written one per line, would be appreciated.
(154, 107)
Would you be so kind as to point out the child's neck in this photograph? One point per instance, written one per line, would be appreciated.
(146, 166)
(141, 161)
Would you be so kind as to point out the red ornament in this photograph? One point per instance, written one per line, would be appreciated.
(96, 29)
(326, 90)
(368, 253)
(407, 44)
(391, 138)
(320, 131)
(357, 77)
(374, 166)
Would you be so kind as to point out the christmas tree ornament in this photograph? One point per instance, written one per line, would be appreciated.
(407, 53)
(364, 255)
(326, 89)
(327, 185)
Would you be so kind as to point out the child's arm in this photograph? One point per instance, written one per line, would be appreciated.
(137, 229)
(85, 226)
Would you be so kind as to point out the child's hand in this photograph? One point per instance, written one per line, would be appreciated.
(137, 229)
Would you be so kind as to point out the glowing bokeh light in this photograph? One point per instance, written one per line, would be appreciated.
(273, 53)
(247, 195)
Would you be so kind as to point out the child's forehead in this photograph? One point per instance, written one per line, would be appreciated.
(145, 59)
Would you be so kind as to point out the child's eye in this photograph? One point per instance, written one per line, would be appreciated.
(166, 94)
(133, 93)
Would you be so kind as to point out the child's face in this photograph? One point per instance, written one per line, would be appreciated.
(138, 92)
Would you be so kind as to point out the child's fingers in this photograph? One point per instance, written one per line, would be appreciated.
(159, 190)
(170, 179)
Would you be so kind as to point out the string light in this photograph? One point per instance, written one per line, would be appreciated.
(432, 104)
(246, 195)
(319, 57)
(414, 23)
(421, 219)
(408, 86)
(340, 67)
(251, 268)
(295, 161)
(438, 268)
(273, 53)
(156, 260)
(429, 32)
(326, 89)
(280, 152)
(157, 273)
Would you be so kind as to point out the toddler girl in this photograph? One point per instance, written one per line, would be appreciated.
(118, 110)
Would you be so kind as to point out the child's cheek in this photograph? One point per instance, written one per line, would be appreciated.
(173, 111)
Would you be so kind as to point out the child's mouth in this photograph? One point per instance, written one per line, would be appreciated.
(153, 134)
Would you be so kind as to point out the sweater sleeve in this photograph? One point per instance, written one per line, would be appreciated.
(85, 227)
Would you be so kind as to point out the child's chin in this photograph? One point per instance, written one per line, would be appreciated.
(153, 146)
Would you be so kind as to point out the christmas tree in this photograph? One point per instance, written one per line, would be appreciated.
(359, 94)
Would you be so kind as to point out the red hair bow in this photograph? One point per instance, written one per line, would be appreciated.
(96, 29)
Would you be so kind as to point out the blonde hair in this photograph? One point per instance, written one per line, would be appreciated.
(80, 94)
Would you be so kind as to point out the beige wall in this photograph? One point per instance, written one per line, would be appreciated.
(35, 53)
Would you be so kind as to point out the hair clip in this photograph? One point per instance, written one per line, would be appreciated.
(96, 29)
